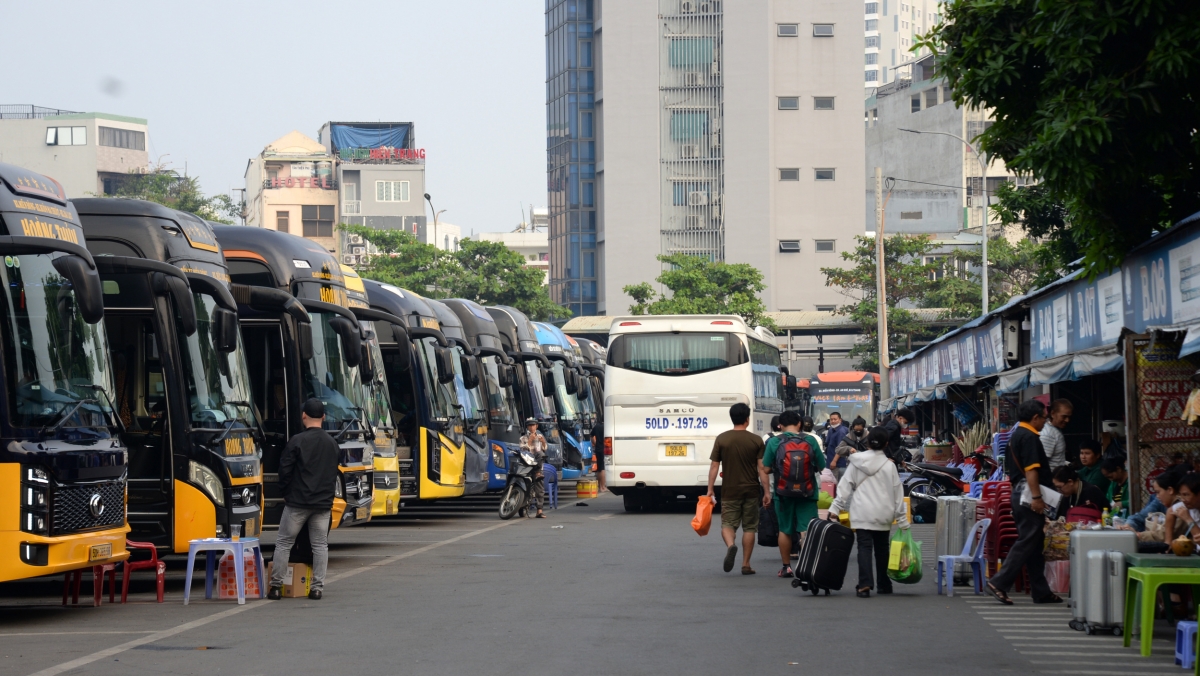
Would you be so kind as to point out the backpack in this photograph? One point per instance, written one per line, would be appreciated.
(796, 468)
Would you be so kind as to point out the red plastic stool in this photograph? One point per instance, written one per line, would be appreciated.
(159, 568)
(73, 578)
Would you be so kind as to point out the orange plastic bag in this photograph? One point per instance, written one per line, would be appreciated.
(703, 519)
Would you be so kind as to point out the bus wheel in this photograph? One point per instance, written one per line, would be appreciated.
(633, 502)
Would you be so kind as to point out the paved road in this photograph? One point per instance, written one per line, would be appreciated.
(450, 589)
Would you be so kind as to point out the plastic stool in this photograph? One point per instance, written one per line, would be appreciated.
(73, 577)
(1141, 591)
(210, 547)
(1185, 644)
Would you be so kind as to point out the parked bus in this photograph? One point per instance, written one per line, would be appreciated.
(504, 423)
(519, 338)
(470, 399)
(668, 387)
(182, 386)
(419, 366)
(63, 465)
(302, 341)
(563, 387)
(850, 393)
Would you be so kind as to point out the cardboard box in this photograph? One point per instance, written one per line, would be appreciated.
(296, 580)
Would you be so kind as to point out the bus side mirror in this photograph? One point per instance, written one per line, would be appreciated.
(548, 383)
(89, 293)
(304, 343)
(445, 365)
(504, 375)
(571, 381)
(225, 330)
(585, 389)
(351, 337)
(366, 370)
(181, 293)
(470, 369)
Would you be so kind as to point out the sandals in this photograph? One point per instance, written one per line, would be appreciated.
(747, 570)
(1000, 596)
(540, 515)
(786, 571)
(863, 593)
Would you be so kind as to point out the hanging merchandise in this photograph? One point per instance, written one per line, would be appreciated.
(1191, 410)
(965, 413)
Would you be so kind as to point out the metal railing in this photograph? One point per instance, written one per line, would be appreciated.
(22, 111)
(352, 207)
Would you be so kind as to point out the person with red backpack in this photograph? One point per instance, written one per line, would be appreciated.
(795, 460)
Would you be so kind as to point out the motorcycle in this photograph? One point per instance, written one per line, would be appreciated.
(927, 482)
(522, 472)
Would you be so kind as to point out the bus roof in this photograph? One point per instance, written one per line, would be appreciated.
(452, 326)
(516, 328)
(355, 291)
(141, 229)
(658, 323)
(33, 205)
(478, 325)
(549, 335)
(405, 304)
(844, 377)
(290, 258)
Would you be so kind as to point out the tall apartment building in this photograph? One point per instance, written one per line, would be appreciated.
(727, 129)
(88, 153)
(892, 29)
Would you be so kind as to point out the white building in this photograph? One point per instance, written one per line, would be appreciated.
(447, 236)
(893, 27)
(88, 153)
(727, 129)
(533, 246)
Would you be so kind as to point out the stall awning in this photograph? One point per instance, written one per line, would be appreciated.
(1099, 360)
(910, 399)
(939, 391)
(888, 405)
(1051, 370)
(925, 394)
(1014, 380)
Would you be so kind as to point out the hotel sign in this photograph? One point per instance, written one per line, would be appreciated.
(382, 153)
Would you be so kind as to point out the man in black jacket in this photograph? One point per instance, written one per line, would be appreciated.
(308, 472)
(895, 429)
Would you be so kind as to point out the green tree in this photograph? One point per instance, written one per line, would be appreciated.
(166, 187)
(1095, 98)
(1044, 217)
(700, 286)
(488, 273)
(1013, 269)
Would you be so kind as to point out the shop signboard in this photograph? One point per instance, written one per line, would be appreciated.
(1158, 383)
(1162, 284)
(966, 350)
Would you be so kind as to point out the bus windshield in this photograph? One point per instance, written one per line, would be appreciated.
(443, 400)
(851, 400)
(217, 385)
(57, 364)
(676, 354)
(378, 409)
(567, 404)
(533, 374)
(327, 376)
(471, 400)
(502, 406)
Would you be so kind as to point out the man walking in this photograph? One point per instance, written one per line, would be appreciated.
(895, 430)
(737, 454)
(308, 473)
(1026, 463)
(792, 513)
(1052, 436)
(854, 441)
(835, 430)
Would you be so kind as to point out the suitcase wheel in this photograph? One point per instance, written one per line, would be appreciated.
(1116, 631)
(827, 592)
(796, 583)
(814, 591)
(1089, 629)
(1076, 625)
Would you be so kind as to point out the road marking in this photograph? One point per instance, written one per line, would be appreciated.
(1058, 653)
(1112, 673)
(187, 626)
(78, 633)
(601, 517)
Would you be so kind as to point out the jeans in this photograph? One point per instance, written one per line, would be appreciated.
(539, 490)
(1026, 552)
(876, 540)
(290, 523)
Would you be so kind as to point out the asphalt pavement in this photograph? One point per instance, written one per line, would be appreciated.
(450, 589)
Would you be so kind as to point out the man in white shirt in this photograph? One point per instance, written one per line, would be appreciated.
(1052, 436)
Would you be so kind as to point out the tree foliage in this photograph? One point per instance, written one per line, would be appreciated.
(1094, 98)
(488, 273)
(700, 286)
(166, 187)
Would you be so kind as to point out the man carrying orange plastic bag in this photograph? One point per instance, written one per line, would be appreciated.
(737, 455)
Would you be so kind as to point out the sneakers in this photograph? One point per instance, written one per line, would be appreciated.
(275, 593)
(314, 594)
(730, 557)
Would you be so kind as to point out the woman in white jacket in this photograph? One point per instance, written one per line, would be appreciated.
(871, 489)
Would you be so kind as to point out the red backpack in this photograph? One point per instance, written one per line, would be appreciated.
(796, 468)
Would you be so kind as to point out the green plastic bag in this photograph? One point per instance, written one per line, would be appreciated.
(904, 563)
(824, 500)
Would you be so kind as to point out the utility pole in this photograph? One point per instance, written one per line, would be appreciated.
(880, 288)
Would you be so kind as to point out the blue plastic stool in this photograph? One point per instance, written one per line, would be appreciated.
(211, 546)
(977, 489)
(1185, 644)
(550, 475)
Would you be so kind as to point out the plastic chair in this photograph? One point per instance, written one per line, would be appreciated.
(1141, 590)
(159, 568)
(1185, 644)
(210, 547)
(550, 477)
(73, 578)
(945, 566)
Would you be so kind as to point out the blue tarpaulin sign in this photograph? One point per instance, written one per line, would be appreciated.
(344, 136)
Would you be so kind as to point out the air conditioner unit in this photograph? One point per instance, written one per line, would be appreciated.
(697, 198)
(693, 79)
(716, 68)
(689, 151)
(687, 7)
(358, 250)
(714, 141)
(350, 259)
(1012, 339)
(706, 8)
(694, 222)
(354, 239)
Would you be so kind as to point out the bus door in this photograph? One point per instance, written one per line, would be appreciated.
(401, 390)
(263, 342)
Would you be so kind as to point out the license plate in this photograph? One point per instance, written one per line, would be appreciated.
(362, 513)
(676, 451)
(97, 552)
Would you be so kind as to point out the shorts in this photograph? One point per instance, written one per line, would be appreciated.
(793, 514)
(741, 512)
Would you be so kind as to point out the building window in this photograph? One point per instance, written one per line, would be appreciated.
(122, 138)
(872, 25)
(826, 308)
(823, 174)
(872, 75)
(789, 174)
(872, 58)
(873, 42)
(931, 99)
(825, 246)
(822, 30)
(822, 103)
(281, 221)
(910, 215)
(916, 103)
(872, 8)
(66, 136)
(788, 30)
(317, 220)
(391, 191)
(789, 246)
(789, 103)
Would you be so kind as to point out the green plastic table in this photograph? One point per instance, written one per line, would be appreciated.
(1140, 592)
(1161, 561)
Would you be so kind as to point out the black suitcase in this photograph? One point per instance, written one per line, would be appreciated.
(824, 557)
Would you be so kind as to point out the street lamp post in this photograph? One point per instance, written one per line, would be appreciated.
(435, 219)
(983, 181)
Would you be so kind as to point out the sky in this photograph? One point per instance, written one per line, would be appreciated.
(218, 81)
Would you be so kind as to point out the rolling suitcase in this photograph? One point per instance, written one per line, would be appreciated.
(824, 557)
(955, 519)
(1083, 542)
(1105, 592)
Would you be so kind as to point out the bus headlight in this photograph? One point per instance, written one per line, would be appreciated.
(497, 455)
(207, 480)
(337, 488)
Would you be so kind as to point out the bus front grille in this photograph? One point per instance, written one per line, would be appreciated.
(84, 507)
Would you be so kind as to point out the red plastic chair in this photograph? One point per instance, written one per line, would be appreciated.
(159, 568)
(73, 578)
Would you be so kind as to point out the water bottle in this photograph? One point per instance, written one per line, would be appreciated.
(1105, 519)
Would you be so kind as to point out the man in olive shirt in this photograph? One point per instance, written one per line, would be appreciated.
(737, 455)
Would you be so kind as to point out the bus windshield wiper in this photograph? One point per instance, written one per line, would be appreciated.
(120, 425)
(67, 413)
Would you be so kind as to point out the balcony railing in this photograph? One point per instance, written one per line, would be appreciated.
(318, 182)
(352, 208)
